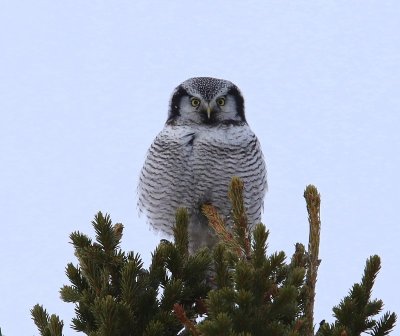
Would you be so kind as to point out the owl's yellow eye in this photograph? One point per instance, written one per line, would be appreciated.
(195, 102)
(221, 101)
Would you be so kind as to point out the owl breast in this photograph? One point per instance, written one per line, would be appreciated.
(189, 166)
(218, 155)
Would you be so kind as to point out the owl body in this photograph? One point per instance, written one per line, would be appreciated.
(193, 159)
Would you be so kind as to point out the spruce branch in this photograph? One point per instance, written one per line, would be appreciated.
(313, 201)
(131, 274)
(256, 293)
(240, 223)
(385, 324)
(372, 268)
(154, 328)
(40, 317)
(223, 266)
(106, 235)
(259, 244)
(47, 325)
(356, 311)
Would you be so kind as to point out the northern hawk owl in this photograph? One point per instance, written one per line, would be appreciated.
(204, 143)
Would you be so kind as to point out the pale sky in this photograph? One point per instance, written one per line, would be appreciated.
(84, 89)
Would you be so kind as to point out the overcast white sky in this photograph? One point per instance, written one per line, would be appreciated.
(84, 89)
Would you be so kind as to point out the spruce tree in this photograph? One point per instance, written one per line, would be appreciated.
(239, 288)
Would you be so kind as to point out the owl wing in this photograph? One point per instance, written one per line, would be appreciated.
(165, 182)
(253, 173)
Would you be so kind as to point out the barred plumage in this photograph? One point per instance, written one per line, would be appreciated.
(205, 142)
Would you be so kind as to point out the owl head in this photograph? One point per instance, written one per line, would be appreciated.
(206, 101)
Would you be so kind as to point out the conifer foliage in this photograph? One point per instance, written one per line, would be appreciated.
(238, 289)
(114, 295)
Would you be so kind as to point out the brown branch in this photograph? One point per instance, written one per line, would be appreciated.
(181, 315)
(220, 228)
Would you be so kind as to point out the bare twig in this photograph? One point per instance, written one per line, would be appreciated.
(181, 315)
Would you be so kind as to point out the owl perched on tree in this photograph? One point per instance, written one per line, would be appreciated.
(204, 143)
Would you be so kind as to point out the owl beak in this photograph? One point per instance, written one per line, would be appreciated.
(208, 111)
